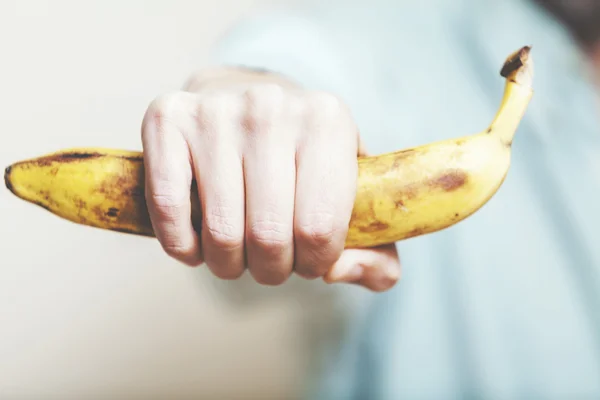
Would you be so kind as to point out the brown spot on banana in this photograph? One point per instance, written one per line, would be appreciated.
(374, 226)
(75, 156)
(64, 158)
(450, 181)
(404, 194)
(447, 181)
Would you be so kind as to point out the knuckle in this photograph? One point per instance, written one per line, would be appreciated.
(167, 106)
(170, 109)
(319, 244)
(222, 238)
(269, 237)
(325, 104)
(164, 196)
(215, 109)
(314, 265)
(319, 231)
(328, 113)
(167, 206)
(217, 102)
(263, 104)
(223, 232)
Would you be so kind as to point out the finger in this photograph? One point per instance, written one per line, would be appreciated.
(325, 186)
(168, 179)
(377, 269)
(217, 164)
(270, 176)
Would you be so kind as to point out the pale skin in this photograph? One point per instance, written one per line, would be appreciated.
(276, 171)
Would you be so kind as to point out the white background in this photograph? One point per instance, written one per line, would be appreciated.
(86, 313)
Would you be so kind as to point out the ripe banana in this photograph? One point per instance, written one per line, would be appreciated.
(400, 195)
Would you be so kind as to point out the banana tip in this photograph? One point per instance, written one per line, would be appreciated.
(515, 61)
(7, 180)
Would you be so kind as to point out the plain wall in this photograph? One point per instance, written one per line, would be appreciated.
(86, 313)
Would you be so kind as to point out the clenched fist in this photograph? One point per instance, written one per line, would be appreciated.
(276, 171)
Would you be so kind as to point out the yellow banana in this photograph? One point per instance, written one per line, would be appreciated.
(400, 195)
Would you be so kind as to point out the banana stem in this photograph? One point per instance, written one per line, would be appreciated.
(518, 71)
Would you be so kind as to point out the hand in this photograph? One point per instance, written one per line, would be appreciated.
(276, 173)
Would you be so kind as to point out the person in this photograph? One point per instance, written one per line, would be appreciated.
(503, 305)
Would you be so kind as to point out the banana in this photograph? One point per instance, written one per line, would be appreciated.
(400, 195)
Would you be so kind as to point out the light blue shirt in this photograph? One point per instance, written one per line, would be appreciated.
(506, 304)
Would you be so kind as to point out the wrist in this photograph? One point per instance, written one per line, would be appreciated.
(226, 76)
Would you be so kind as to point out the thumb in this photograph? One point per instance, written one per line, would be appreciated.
(377, 268)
